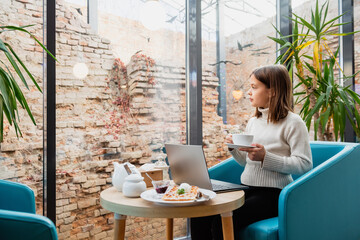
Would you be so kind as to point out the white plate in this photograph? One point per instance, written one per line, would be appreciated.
(152, 196)
(238, 146)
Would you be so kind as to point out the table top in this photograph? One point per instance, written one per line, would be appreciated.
(116, 202)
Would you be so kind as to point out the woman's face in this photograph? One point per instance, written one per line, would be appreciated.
(259, 94)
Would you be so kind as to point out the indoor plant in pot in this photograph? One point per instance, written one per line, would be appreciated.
(326, 103)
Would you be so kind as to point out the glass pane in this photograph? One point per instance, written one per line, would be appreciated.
(357, 48)
(245, 46)
(120, 97)
(22, 157)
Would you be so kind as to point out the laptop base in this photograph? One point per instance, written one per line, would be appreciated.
(221, 186)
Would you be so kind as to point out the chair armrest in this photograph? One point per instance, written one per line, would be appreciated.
(18, 225)
(228, 170)
(323, 203)
(17, 197)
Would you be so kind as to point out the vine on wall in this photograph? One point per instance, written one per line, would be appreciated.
(149, 64)
(121, 115)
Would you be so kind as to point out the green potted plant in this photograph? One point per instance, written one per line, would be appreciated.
(326, 104)
(10, 92)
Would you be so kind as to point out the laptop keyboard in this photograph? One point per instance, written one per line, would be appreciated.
(219, 186)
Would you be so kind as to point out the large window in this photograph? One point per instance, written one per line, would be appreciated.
(21, 159)
(235, 41)
(120, 97)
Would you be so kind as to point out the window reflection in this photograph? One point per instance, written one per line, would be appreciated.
(243, 45)
(130, 102)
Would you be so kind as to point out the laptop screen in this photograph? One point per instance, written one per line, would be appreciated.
(188, 165)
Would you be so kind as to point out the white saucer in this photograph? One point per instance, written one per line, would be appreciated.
(238, 146)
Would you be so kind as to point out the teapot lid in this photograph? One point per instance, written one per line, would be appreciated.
(134, 178)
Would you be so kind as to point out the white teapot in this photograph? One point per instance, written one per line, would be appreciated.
(119, 176)
(133, 185)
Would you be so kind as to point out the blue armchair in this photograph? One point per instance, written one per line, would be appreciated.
(324, 203)
(18, 219)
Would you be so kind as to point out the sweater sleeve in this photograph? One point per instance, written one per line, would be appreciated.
(239, 156)
(300, 159)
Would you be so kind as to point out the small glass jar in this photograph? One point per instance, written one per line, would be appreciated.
(161, 164)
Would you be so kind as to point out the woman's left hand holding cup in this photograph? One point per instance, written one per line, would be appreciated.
(228, 138)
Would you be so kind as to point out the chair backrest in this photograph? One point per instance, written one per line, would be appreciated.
(17, 214)
(16, 197)
(228, 170)
(322, 152)
(16, 225)
(324, 202)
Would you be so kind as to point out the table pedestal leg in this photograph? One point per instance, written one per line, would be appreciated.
(169, 229)
(227, 226)
(120, 222)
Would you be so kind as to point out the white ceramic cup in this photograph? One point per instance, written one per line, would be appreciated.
(242, 139)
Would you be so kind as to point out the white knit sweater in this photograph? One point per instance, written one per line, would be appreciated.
(287, 151)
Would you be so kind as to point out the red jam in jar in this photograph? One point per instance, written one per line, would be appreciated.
(161, 189)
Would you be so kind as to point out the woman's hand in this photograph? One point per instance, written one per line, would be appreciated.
(255, 154)
(228, 138)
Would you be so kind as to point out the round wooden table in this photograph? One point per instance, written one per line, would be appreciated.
(223, 203)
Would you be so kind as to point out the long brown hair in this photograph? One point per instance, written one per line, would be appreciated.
(276, 78)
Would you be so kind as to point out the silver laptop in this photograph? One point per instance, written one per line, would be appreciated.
(188, 165)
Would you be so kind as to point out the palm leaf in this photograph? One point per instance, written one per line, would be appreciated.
(6, 96)
(2, 46)
(325, 14)
(344, 34)
(354, 95)
(1, 119)
(279, 41)
(317, 106)
(17, 69)
(332, 20)
(328, 93)
(336, 121)
(316, 127)
(325, 118)
(304, 45)
(342, 119)
(317, 19)
(24, 67)
(307, 24)
(22, 29)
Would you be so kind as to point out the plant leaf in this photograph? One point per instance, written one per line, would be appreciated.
(317, 106)
(1, 119)
(15, 66)
(23, 65)
(316, 127)
(307, 24)
(325, 118)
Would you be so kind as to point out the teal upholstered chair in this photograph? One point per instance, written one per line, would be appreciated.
(324, 203)
(18, 220)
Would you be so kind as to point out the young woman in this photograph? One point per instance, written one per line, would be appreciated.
(281, 148)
